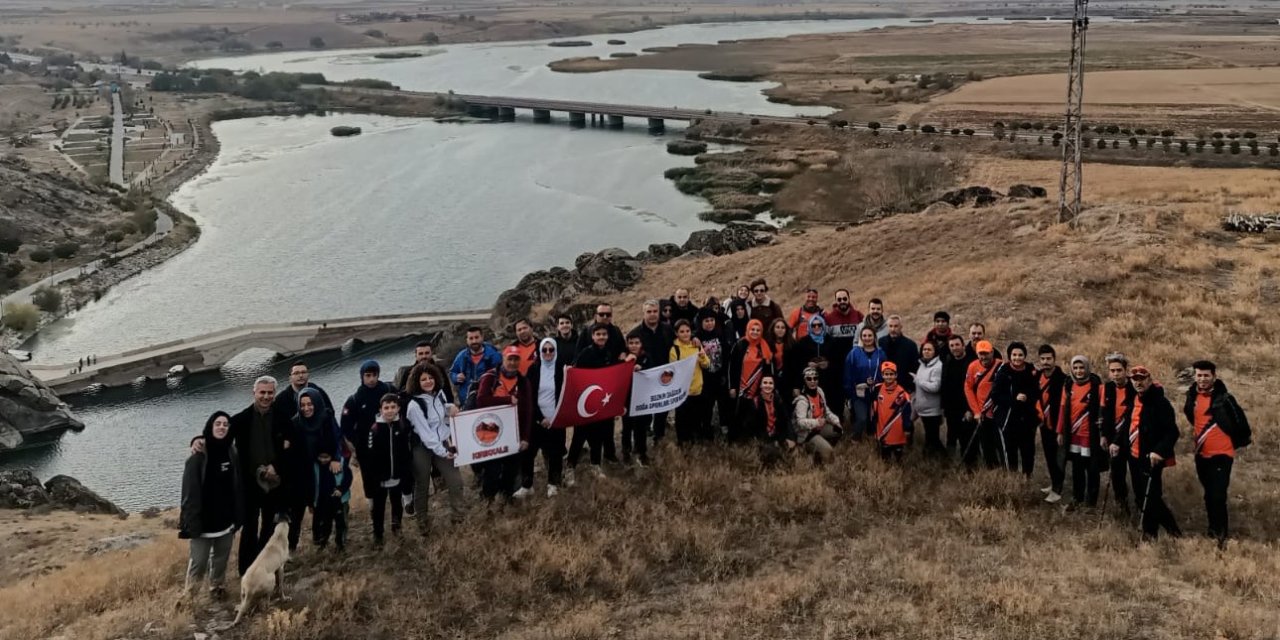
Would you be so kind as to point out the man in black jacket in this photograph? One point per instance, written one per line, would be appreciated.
(261, 435)
(566, 338)
(1117, 406)
(902, 352)
(1152, 437)
(954, 402)
(1220, 428)
(657, 339)
(1050, 378)
(299, 379)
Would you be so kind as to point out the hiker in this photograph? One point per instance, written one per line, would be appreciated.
(545, 381)
(978, 333)
(212, 506)
(817, 350)
(299, 379)
(1050, 379)
(1153, 433)
(816, 427)
(503, 386)
(736, 328)
(1078, 430)
(596, 356)
(891, 413)
(875, 319)
(940, 334)
(769, 421)
(750, 360)
(526, 343)
(799, 318)
(716, 344)
(901, 351)
(760, 306)
(979, 383)
(682, 308)
(566, 338)
(635, 429)
(1013, 394)
(428, 412)
(478, 358)
(259, 433)
(927, 400)
(1117, 408)
(781, 343)
(361, 409)
(616, 345)
(422, 352)
(382, 448)
(313, 429)
(332, 496)
(955, 402)
(689, 415)
(657, 339)
(1220, 428)
(861, 373)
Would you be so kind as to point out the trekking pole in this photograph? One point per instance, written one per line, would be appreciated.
(1146, 496)
(972, 438)
(1106, 495)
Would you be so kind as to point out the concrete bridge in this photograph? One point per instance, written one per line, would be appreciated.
(610, 115)
(212, 350)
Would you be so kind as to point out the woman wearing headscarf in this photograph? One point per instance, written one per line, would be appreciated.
(1078, 431)
(738, 319)
(816, 425)
(313, 420)
(545, 381)
(817, 350)
(751, 359)
(716, 343)
(211, 509)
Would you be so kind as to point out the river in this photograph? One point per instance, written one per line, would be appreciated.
(412, 215)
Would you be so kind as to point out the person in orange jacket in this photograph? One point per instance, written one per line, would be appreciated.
(978, 383)
(1220, 428)
(891, 413)
(1153, 433)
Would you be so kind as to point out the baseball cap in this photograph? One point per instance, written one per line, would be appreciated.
(511, 351)
(1139, 372)
(983, 346)
(889, 366)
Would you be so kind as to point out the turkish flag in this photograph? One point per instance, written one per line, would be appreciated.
(593, 395)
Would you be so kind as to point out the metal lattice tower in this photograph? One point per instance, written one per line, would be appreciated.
(1070, 185)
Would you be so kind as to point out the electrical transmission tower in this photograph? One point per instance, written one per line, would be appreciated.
(1069, 186)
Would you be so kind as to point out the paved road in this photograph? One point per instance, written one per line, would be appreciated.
(116, 173)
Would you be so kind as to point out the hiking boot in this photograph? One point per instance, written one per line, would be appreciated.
(552, 490)
(1053, 498)
(407, 502)
(522, 493)
(1046, 490)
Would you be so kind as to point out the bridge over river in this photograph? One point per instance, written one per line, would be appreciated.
(212, 350)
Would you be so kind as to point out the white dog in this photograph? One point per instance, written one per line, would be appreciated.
(266, 574)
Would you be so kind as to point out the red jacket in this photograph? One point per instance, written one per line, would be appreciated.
(493, 394)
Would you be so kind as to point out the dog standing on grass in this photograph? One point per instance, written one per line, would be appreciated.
(266, 574)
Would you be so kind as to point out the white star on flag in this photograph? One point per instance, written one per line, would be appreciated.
(605, 401)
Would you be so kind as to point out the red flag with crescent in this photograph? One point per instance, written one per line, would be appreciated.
(593, 395)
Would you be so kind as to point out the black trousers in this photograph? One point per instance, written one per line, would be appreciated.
(987, 439)
(551, 443)
(329, 517)
(591, 435)
(1049, 442)
(500, 476)
(1120, 478)
(1020, 445)
(259, 522)
(635, 435)
(659, 427)
(718, 402)
(893, 453)
(1149, 487)
(297, 511)
(378, 497)
(690, 418)
(933, 436)
(959, 432)
(1084, 478)
(1215, 477)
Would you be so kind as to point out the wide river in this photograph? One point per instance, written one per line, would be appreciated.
(412, 215)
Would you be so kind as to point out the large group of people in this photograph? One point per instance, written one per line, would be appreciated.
(798, 384)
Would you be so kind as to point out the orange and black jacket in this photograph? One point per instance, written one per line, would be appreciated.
(1049, 401)
(1157, 427)
(1067, 424)
(1116, 412)
(978, 382)
(1224, 412)
(1006, 384)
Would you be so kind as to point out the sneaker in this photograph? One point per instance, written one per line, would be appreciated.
(599, 471)
(522, 492)
(569, 480)
(1053, 497)
(1047, 490)
(552, 490)
(407, 502)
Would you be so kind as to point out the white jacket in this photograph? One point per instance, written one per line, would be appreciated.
(804, 420)
(433, 426)
(927, 401)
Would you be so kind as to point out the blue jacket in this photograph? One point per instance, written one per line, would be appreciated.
(859, 366)
(490, 360)
(326, 482)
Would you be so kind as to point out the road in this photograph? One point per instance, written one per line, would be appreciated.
(116, 172)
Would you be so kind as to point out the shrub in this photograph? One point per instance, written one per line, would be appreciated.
(48, 299)
(66, 250)
(275, 44)
(928, 128)
(317, 42)
(21, 316)
(375, 33)
(1250, 135)
(1102, 144)
(902, 127)
(969, 132)
(9, 244)
(755, 121)
(874, 126)
(1167, 133)
(1235, 146)
(40, 255)
(955, 132)
(13, 269)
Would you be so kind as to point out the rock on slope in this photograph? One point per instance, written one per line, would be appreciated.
(29, 411)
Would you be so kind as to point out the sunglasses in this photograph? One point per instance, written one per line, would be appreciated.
(758, 290)
(548, 350)
(600, 314)
(810, 378)
(842, 299)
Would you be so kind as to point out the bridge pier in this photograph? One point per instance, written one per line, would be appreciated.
(506, 114)
(577, 119)
(657, 125)
(615, 122)
(476, 111)
(542, 115)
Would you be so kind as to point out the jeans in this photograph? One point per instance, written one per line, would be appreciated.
(424, 460)
(635, 435)
(378, 497)
(209, 556)
(551, 443)
(1215, 477)
(259, 522)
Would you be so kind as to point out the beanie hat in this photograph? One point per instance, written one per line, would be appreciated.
(370, 366)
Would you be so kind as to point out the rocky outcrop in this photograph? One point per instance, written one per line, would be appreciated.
(980, 196)
(1027, 191)
(686, 147)
(29, 411)
(20, 489)
(1249, 223)
(607, 272)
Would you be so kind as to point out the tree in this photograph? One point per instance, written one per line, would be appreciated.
(317, 42)
(969, 132)
(1133, 143)
(47, 299)
(1235, 146)
(21, 316)
(40, 255)
(9, 244)
(1167, 133)
(902, 127)
(1102, 144)
(114, 236)
(66, 250)
(928, 128)
(874, 127)
(1182, 146)
(955, 132)
(1250, 135)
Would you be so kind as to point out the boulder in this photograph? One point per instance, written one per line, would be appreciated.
(722, 216)
(614, 267)
(30, 412)
(731, 239)
(122, 542)
(21, 489)
(1027, 191)
(938, 208)
(68, 493)
(959, 197)
(686, 147)
(772, 185)
(659, 253)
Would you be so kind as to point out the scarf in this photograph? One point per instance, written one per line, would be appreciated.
(817, 321)
(758, 355)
